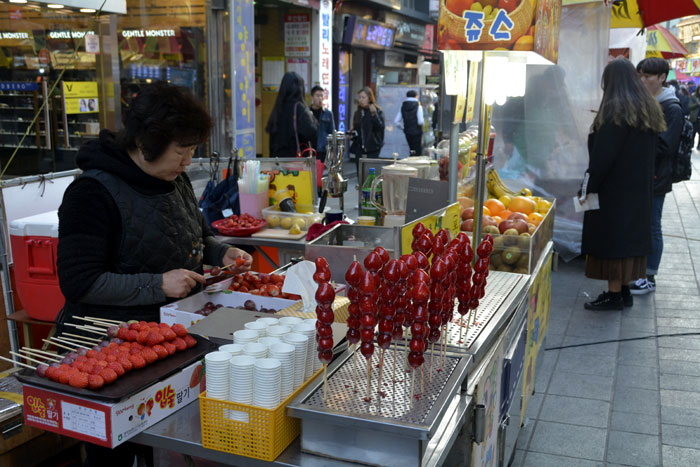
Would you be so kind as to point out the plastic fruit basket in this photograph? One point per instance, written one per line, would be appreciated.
(267, 433)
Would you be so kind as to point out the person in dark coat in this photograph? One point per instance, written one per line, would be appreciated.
(292, 126)
(131, 235)
(326, 122)
(653, 72)
(368, 126)
(410, 119)
(621, 147)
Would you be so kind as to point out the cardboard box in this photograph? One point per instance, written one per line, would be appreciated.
(183, 311)
(109, 424)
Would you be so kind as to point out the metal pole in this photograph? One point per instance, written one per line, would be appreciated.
(480, 180)
(454, 155)
(5, 279)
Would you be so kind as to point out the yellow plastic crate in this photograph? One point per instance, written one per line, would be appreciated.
(267, 433)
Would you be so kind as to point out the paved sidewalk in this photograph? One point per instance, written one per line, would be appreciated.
(636, 402)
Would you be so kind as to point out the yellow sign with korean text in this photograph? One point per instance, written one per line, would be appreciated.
(80, 97)
(448, 218)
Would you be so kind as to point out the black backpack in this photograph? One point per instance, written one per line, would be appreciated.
(682, 167)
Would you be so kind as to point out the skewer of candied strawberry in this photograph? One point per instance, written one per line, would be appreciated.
(402, 304)
(420, 296)
(481, 267)
(367, 323)
(325, 295)
(353, 277)
(412, 263)
(391, 274)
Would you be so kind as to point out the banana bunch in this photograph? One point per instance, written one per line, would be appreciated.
(496, 186)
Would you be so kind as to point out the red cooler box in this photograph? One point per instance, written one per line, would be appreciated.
(34, 243)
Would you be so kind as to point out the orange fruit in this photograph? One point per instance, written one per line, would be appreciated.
(535, 218)
(495, 206)
(458, 6)
(522, 204)
(524, 43)
(505, 214)
(487, 211)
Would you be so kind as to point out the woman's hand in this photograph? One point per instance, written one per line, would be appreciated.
(373, 109)
(240, 259)
(179, 282)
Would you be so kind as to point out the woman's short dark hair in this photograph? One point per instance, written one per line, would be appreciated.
(160, 114)
(291, 91)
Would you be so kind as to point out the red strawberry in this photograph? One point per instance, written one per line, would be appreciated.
(125, 363)
(161, 351)
(180, 330)
(170, 347)
(138, 361)
(152, 324)
(78, 380)
(154, 338)
(123, 334)
(132, 335)
(143, 337)
(169, 335)
(149, 355)
(135, 326)
(118, 369)
(109, 375)
(95, 382)
(190, 341)
(180, 344)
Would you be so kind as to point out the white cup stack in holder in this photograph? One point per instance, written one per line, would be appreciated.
(243, 336)
(232, 349)
(268, 321)
(285, 354)
(241, 384)
(278, 331)
(217, 374)
(269, 341)
(290, 321)
(309, 330)
(267, 381)
(261, 328)
(300, 343)
(255, 349)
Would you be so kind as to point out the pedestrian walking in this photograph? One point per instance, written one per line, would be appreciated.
(694, 111)
(621, 149)
(410, 120)
(368, 127)
(292, 126)
(653, 72)
(326, 123)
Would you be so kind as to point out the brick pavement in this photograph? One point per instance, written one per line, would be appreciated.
(633, 403)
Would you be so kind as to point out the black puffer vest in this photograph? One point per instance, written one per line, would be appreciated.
(409, 113)
(159, 233)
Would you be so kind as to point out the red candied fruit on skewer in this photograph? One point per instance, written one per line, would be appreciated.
(170, 347)
(169, 335)
(367, 349)
(143, 337)
(132, 335)
(353, 276)
(190, 341)
(373, 262)
(325, 356)
(91, 353)
(125, 363)
(152, 324)
(415, 359)
(149, 355)
(160, 351)
(179, 330)
(118, 369)
(95, 382)
(78, 380)
(50, 372)
(109, 375)
(135, 326)
(123, 334)
(138, 361)
(383, 254)
(65, 375)
(154, 338)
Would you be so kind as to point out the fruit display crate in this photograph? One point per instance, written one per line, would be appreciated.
(503, 291)
(520, 254)
(394, 430)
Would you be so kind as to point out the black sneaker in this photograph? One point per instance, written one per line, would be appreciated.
(627, 299)
(642, 286)
(606, 301)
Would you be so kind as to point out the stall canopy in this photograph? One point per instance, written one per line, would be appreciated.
(661, 43)
(643, 13)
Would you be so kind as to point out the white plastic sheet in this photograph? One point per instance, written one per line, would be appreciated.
(542, 138)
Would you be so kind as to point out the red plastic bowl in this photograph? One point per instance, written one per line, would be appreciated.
(229, 232)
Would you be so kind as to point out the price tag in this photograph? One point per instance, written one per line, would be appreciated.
(84, 420)
(92, 44)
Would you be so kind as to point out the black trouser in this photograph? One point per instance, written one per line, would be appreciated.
(415, 142)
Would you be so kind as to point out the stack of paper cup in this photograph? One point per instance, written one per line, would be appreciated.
(285, 354)
(300, 343)
(255, 349)
(317, 362)
(309, 330)
(278, 331)
(290, 321)
(257, 326)
(269, 340)
(244, 336)
(269, 321)
(267, 383)
(232, 349)
(241, 384)
(217, 374)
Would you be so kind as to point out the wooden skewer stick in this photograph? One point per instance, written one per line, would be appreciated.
(75, 341)
(325, 381)
(93, 339)
(354, 371)
(461, 327)
(422, 379)
(59, 345)
(223, 268)
(18, 363)
(381, 373)
(104, 319)
(393, 378)
(413, 380)
(45, 352)
(27, 358)
(369, 378)
(38, 355)
(95, 322)
(78, 341)
(68, 341)
(87, 328)
(430, 368)
(71, 345)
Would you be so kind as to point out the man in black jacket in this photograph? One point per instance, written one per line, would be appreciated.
(653, 72)
(410, 119)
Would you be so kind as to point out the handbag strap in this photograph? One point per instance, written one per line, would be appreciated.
(296, 132)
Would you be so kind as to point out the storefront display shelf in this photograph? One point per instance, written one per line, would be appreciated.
(391, 431)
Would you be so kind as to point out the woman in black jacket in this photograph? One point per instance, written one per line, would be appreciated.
(368, 125)
(292, 126)
(621, 146)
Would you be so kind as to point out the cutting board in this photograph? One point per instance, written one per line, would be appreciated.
(278, 234)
